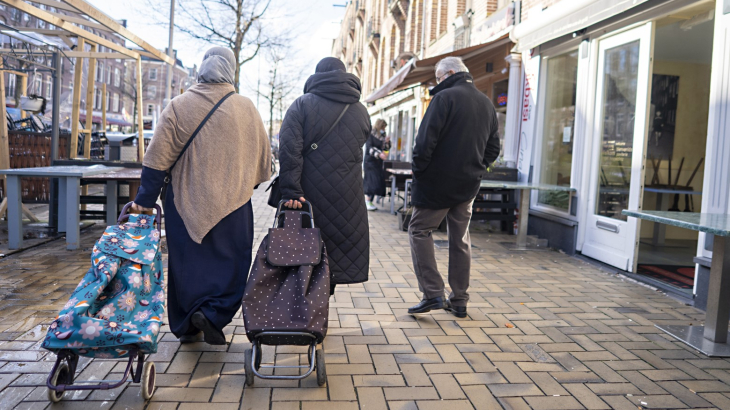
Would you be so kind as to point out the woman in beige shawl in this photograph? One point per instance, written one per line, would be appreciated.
(208, 213)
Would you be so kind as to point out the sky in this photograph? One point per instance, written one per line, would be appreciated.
(315, 23)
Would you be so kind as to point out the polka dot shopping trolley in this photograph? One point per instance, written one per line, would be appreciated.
(116, 311)
(286, 301)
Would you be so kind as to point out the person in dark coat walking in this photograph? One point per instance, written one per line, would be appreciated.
(375, 148)
(330, 177)
(208, 212)
(457, 141)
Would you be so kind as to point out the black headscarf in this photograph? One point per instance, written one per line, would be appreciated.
(332, 82)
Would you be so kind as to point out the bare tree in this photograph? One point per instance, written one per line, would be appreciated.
(129, 90)
(235, 24)
(282, 81)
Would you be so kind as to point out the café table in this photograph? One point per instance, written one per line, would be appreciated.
(132, 176)
(68, 198)
(398, 175)
(524, 206)
(712, 338)
(660, 230)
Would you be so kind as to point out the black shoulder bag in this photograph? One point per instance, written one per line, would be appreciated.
(275, 187)
(168, 174)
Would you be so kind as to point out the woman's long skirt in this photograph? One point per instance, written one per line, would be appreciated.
(374, 182)
(210, 276)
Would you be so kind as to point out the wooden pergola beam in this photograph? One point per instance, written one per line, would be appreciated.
(57, 4)
(90, 97)
(113, 25)
(70, 54)
(76, 104)
(68, 26)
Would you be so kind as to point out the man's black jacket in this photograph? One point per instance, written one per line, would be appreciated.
(457, 140)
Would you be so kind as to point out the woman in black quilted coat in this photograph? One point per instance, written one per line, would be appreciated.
(330, 177)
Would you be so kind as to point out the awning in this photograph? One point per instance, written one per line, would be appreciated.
(566, 17)
(421, 71)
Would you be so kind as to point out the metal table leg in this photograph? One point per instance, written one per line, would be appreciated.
(15, 213)
(73, 186)
(712, 338)
(524, 215)
(112, 210)
(393, 195)
(62, 204)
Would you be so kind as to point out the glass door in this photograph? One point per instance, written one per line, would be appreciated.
(619, 145)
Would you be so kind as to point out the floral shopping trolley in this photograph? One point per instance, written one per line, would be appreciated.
(116, 311)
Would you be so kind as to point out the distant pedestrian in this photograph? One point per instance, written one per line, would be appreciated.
(208, 212)
(376, 146)
(328, 172)
(457, 141)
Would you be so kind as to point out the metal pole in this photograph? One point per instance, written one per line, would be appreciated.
(55, 135)
(168, 88)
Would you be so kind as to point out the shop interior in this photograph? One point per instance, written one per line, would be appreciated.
(676, 141)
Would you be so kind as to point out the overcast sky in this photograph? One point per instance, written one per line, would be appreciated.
(317, 21)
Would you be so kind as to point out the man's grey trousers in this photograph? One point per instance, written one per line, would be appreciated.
(423, 223)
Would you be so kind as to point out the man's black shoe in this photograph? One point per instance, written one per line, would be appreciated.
(458, 311)
(211, 335)
(428, 305)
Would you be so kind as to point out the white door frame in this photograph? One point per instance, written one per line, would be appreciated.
(609, 240)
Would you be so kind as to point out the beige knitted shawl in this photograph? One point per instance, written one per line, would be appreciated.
(223, 164)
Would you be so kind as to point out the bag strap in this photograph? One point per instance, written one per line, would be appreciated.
(197, 130)
(315, 144)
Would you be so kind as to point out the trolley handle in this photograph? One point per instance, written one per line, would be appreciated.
(308, 211)
(125, 215)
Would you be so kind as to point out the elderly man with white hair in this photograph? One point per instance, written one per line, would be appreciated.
(457, 141)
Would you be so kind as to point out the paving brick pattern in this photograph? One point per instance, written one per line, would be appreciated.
(545, 331)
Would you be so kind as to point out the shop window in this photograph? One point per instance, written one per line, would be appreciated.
(558, 131)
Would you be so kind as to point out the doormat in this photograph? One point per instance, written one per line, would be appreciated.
(679, 276)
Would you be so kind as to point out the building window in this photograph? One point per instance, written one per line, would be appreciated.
(150, 109)
(49, 88)
(97, 98)
(10, 89)
(108, 99)
(153, 74)
(109, 76)
(558, 128)
(38, 84)
(151, 92)
(100, 72)
(117, 77)
(115, 103)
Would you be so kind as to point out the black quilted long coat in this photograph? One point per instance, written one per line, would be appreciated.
(330, 177)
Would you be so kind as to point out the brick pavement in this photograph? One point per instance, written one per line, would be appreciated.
(545, 331)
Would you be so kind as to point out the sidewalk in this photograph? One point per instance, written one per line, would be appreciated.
(545, 331)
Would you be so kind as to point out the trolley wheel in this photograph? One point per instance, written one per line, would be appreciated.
(248, 366)
(61, 376)
(321, 368)
(147, 382)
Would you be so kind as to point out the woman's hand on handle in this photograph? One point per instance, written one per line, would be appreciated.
(139, 209)
(295, 204)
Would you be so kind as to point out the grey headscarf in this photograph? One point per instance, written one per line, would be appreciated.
(218, 66)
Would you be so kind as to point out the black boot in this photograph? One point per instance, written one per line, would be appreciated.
(192, 338)
(458, 311)
(428, 305)
(211, 335)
